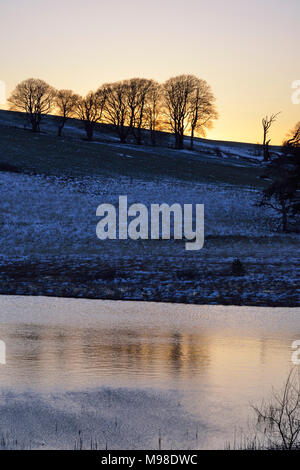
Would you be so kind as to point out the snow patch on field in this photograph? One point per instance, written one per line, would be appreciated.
(48, 214)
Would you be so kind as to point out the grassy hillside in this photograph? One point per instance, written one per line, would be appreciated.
(47, 154)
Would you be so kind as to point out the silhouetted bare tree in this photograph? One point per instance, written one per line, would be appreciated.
(138, 90)
(283, 191)
(178, 91)
(291, 150)
(267, 123)
(153, 109)
(293, 138)
(202, 109)
(34, 97)
(189, 104)
(128, 106)
(90, 110)
(66, 102)
(117, 110)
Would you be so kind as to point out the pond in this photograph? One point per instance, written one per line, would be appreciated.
(133, 373)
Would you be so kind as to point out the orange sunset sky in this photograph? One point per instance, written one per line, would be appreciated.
(248, 51)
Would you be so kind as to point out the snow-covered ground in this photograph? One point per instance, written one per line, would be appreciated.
(42, 215)
(53, 220)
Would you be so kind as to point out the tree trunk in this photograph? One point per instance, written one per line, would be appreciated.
(89, 130)
(266, 151)
(264, 147)
(139, 136)
(61, 126)
(153, 138)
(192, 139)
(35, 125)
(180, 142)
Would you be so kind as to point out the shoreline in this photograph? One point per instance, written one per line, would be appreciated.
(85, 279)
(167, 301)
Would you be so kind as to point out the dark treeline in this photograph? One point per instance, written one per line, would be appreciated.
(182, 105)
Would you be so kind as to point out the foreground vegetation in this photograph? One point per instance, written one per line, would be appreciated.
(277, 419)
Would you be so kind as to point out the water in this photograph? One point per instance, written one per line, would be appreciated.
(217, 360)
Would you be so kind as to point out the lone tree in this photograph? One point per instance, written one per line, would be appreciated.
(267, 123)
(189, 104)
(283, 192)
(33, 97)
(90, 110)
(65, 102)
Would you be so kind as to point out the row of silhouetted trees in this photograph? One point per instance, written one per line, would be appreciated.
(182, 105)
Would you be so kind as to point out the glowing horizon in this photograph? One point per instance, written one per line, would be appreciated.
(245, 50)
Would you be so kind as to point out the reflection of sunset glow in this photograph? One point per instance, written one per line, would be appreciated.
(179, 354)
(211, 362)
(249, 63)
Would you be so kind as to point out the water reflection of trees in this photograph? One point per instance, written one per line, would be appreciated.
(47, 350)
(61, 354)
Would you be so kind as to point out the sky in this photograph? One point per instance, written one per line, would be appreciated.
(248, 51)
